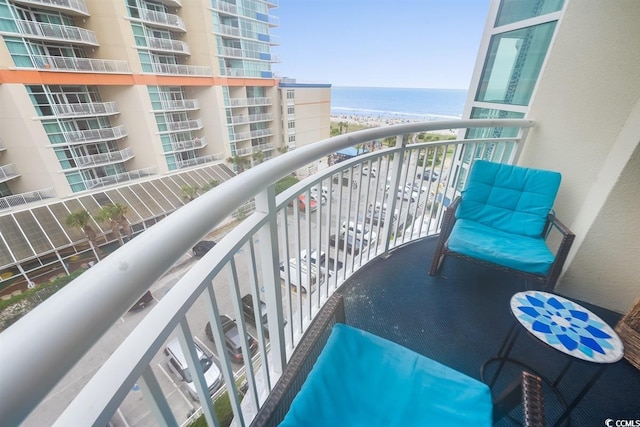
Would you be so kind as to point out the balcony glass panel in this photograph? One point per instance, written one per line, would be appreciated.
(72, 7)
(514, 60)
(518, 10)
(57, 32)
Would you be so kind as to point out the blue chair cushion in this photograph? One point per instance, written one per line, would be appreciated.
(524, 253)
(509, 198)
(361, 379)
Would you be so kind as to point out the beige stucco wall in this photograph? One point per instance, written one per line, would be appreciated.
(587, 109)
(312, 114)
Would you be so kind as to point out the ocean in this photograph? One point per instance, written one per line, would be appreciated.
(397, 103)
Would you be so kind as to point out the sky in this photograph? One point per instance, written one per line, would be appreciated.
(375, 43)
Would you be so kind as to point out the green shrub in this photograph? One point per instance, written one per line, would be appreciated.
(286, 182)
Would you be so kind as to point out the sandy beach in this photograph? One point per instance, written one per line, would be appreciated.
(376, 121)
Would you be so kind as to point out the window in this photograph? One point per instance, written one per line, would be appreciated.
(290, 94)
(513, 64)
(291, 110)
(291, 125)
(518, 10)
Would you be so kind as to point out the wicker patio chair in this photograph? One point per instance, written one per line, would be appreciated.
(305, 358)
(502, 220)
(628, 328)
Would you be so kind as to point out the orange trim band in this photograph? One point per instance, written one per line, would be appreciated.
(100, 79)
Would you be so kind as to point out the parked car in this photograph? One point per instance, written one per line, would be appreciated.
(322, 194)
(232, 338)
(305, 279)
(378, 214)
(249, 314)
(345, 181)
(371, 173)
(177, 364)
(314, 261)
(348, 242)
(428, 175)
(144, 301)
(359, 230)
(202, 247)
(302, 203)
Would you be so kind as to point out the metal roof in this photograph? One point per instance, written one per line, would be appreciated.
(41, 229)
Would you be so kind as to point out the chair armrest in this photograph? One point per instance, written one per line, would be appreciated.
(448, 221)
(298, 367)
(528, 391)
(563, 250)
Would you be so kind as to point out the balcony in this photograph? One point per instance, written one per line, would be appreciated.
(194, 144)
(185, 125)
(248, 102)
(179, 105)
(92, 109)
(171, 3)
(223, 6)
(71, 7)
(65, 63)
(163, 20)
(59, 33)
(178, 69)
(170, 46)
(8, 172)
(94, 135)
(198, 161)
(16, 200)
(251, 118)
(104, 158)
(241, 136)
(228, 30)
(119, 178)
(458, 318)
(254, 149)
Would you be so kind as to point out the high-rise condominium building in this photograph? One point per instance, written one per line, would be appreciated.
(131, 101)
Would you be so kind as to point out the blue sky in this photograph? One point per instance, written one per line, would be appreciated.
(392, 43)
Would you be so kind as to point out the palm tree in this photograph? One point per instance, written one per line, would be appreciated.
(258, 157)
(209, 185)
(116, 213)
(189, 192)
(240, 162)
(81, 219)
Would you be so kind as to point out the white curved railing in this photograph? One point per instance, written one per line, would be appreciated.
(249, 255)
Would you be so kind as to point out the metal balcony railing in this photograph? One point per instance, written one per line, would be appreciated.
(55, 32)
(178, 69)
(251, 118)
(166, 45)
(171, 3)
(198, 161)
(224, 6)
(14, 200)
(228, 30)
(8, 172)
(254, 149)
(297, 246)
(105, 158)
(86, 109)
(185, 125)
(179, 105)
(166, 20)
(194, 144)
(72, 7)
(249, 102)
(65, 63)
(120, 177)
(95, 135)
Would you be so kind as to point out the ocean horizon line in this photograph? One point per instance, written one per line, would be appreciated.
(398, 87)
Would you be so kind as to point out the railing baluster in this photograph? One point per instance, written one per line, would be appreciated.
(152, 394)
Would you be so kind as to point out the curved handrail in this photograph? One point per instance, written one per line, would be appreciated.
(49, 341)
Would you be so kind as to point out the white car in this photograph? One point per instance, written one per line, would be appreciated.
(359, 231)
(304, 278)
(373, 172)
(178, 365)
(407, 194)
(322, 196)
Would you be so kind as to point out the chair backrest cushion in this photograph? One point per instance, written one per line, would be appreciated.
(509, 198)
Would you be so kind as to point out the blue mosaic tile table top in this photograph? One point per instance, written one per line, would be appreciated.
(567, 326)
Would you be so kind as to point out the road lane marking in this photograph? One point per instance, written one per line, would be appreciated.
(177, 387)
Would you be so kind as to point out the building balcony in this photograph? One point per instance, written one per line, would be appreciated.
(103, 159)
(185, 125)
(272, 3)
(119, 178)
(194, 144)
(94, 135)
(251, 118)
(57, 33)
(17, 200)
(179, 105)
(163, 20)
(8, 172)
(231, 52)
(169, 46)
(241, 136)
(197, 161)
(254, 149)
(248, 102)
(64, 63)
(179, 69)
(70, 7)
(89, 109)
(171, 3)
(228, 30)
(458, 318)
(225, 7)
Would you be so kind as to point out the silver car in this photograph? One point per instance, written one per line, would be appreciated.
(178, 365)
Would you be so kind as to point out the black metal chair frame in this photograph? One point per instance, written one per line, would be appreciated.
(546, 282)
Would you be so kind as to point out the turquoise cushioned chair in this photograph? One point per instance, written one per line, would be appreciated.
(502, 219)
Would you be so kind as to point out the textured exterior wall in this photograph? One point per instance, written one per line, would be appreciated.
(587, 108)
